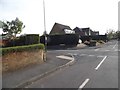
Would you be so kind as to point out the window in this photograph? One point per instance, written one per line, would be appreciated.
(67, 31)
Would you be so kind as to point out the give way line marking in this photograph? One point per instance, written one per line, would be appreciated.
(64, 57)
(100, 63)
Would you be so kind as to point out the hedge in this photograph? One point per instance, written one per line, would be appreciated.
(94, 37)
(27, 39)
(31, 39)
(21, 48)
(67, 39)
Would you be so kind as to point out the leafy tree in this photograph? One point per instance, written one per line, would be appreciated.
(118, 34)
(110, 34)
(11, 29)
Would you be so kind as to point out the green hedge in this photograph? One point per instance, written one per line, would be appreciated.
(27, 39)
(31, 39)
(21, 48)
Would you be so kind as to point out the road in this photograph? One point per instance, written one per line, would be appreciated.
(94, 67)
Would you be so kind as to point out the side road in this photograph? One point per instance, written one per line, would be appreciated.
(23, 77)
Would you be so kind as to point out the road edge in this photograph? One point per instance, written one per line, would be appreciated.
(32, 80)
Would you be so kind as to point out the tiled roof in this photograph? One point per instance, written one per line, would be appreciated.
(59, 28)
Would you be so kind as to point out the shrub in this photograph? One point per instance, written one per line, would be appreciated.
(28, 39)
(32, 39)
(87, 42)
(67, 39)
(101, 42)
(92, 43)
(21, 48)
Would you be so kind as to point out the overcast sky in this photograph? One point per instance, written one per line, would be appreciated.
(99, 15)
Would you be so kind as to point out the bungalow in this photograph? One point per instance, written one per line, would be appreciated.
(79, 31)
(85, 31)
(96, 32)
(61, 35)
(61, 29)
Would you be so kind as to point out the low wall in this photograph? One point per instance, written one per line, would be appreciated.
(15, 61)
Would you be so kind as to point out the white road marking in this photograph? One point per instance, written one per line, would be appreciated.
(114, 45)
(107, 50)
(100, 56)
(100, 63)
(82, 54)
(84, 83)
(91, 55)
(96, 49)
(73, 54)
(64, 57)
(116, 50)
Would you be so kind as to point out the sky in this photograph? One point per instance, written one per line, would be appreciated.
(99, 15)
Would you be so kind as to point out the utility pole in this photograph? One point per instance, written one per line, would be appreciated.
(45, 31)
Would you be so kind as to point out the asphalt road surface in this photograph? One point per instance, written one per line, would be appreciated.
(94, 67)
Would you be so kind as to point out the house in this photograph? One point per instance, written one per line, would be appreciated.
(85, 31)
(96, 32)
(79, 31)
(61, 29)
(60, 35)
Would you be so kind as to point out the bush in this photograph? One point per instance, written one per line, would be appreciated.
(21, 48)
(93, 43)
(67, 39)
(101, 42)
(28, 39)
(32, 39)
(87, 42)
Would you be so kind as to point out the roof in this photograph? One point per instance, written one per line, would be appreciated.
(82, 31)
(59, 28)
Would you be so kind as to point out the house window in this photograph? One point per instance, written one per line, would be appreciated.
(67, 31)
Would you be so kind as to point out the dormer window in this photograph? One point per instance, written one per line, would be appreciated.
(67, 31)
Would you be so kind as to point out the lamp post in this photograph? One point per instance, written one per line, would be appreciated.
(45, 30)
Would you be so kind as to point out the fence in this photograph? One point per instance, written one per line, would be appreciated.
(67, 39)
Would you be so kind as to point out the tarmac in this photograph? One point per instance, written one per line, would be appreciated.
(23, 77)
(26, 76)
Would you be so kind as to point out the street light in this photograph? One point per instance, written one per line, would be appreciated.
(45, 30)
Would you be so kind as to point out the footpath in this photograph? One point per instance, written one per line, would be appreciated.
(28, 75)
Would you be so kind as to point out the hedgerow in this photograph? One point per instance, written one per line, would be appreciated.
(21, 48)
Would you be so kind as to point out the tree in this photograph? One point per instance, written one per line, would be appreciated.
(118, 34)
(110, 34)
(11, 29)
(1, 24)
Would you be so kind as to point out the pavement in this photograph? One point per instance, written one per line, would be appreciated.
(30, 74)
